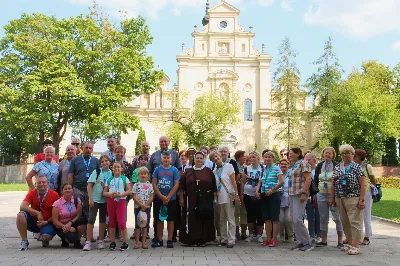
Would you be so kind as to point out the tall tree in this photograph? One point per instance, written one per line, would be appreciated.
(287, 97)
(207, 121)
(141, 137)
(81, 70)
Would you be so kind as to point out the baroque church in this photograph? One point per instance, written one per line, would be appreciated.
(223, 57)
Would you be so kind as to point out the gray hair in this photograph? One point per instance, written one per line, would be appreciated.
(212, 154)
(76, 139)
(66, 148)
(346, 148)
(269, 153)
(255, 154)
(49, 147)
(223, 147)
(313, 156)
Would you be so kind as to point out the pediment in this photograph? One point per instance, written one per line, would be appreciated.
(224, 7)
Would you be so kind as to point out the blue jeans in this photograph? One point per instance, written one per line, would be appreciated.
(313, 218)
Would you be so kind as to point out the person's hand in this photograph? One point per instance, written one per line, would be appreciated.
(41, 223)
(143, 208)
(332, 202)
(72, 229)
(303, 198)
(258, 195)
(314, 201)
(215, 202)
(241, 198)
(91, 203)
(40, 217)
(181, 202)
(165, 200)
(269, 193)
(114, 195)
(361, 205)
(236, 199)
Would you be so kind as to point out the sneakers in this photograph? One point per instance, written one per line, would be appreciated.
(24, 245)
(64, 243)
(297, 247)
(45, 243)
(157, 244)
(322, 244)
(260, 239)
(124, 247)
(248, 239)
(340, 245)
(100, 244)
(272, 244)
(243, 237)
(88, 246)
(230, 245)
(170, 244)
(78, 245)
(112, 246)
(307, 248)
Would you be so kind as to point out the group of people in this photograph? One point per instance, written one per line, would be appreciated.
(204, 196)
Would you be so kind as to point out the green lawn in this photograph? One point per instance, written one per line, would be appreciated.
(13, 187)
(389, 206)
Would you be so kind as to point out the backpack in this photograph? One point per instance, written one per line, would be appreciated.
(123, 181)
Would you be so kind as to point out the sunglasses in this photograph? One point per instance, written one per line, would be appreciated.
(75, 144)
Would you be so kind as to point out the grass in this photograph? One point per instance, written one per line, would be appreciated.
(13, 187)
(389, 206)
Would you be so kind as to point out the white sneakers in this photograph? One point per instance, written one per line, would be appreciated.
(248, 239)
(88, 245)
(260, 239)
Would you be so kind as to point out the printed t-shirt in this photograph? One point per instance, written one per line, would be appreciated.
(47, 205)
(64, 213)
(117, 185)
(285, 192)
(99, 184)
(165, 179)
(224, 172)
(252, 179)
(49, 170)
(270, 178)
(143, 192)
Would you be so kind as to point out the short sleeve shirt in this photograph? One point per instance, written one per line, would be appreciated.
(222, 174)
(368, 171)
(47, 204)
(81, 173)
(99, 184)
(116, 184)
(252, 178)
(143, 192)
(155, 160)
(297, 178)
(66, 210)
(270, 178)
(166, 179)
(63, 170)
(347, 185)
(49, 170)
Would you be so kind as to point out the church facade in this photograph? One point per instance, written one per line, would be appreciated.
(223, 57)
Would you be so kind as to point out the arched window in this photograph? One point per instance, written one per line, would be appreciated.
(248, 110)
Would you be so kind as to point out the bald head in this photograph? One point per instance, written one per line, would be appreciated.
(71, 151)
(164, 142)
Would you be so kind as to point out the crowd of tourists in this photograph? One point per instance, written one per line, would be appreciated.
(205, 196)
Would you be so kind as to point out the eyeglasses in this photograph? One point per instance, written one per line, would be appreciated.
(75, 144)
(345, 153)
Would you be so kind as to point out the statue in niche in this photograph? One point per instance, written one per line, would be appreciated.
(223, 49)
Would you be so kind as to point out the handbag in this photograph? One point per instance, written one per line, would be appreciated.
(314, 190)
(376, 197)
(204, 206)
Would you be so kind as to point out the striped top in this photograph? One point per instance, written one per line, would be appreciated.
(270, 178)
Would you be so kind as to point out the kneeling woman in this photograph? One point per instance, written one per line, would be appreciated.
(197, 186)
(66, 216)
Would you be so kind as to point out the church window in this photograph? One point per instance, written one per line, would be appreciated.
(243, 47)
(248, 110)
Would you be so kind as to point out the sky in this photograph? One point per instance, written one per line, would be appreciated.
(361, 29)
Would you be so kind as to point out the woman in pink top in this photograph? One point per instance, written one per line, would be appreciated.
(66, 216)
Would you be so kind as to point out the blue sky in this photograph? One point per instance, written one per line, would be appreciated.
(361, 29)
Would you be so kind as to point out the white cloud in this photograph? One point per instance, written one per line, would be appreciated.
(359, 18)
(287, 5)
(156, 8)
(396, 46)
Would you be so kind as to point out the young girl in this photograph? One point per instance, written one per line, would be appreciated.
(143, 195)
(116, 189)
(97, 202)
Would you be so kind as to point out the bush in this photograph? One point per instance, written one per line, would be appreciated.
(388, 182)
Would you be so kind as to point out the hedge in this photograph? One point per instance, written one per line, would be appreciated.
(388, 182)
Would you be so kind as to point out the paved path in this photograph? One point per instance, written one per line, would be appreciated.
(384, 249)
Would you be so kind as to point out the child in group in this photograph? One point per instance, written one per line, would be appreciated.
(97, 201)
(116, 189)
(142, 163)
(165, 183)
(143, 194)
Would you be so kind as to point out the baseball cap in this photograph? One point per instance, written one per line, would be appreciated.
(163, 213)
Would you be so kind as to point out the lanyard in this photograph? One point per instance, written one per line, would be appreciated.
(49, 168)
(69, 207)
(269, 171)
(347, 169)
(293, 167)
(227, 160)
(105, 174)
(44, 197)
(68, 163)
(112, 155)
(327, 169)
(87, 164)
(254, 171)
(361, 164)
(219, 173)
(117, 185)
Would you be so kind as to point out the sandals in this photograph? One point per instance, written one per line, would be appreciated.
(354, 251)
(136, 246)
(144, 246)
(365, 242)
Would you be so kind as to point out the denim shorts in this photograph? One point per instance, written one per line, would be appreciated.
(47, 230)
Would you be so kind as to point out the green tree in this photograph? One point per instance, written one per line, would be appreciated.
(285, 98)
(207, 121)
(363, 109)
(80, 71)
(141, 137)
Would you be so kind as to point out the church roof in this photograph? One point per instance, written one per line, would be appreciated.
(224, 7)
